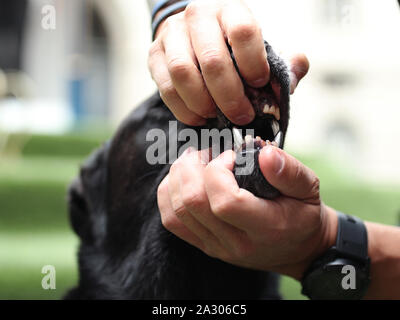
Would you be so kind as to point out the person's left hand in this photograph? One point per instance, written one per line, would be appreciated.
(201, 203)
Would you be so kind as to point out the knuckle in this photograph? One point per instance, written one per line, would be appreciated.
(167, 90)
(169, 222)
(161, 189)
(154, 47)
(180, 210)
(223, 207)
(213, 61)
(192, 9)
(244, 32)
(179, 68)
(193, 199)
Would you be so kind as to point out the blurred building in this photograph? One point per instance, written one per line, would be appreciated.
(93, 65)
(348, 105)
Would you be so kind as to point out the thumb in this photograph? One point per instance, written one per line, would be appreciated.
(298, 68)
(288, 175)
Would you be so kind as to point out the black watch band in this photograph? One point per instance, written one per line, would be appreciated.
(352, 237)
(323, 279)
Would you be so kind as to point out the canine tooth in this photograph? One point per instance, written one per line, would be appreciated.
(266, 108)
(275, 127)
(274, 143)
(237, 138)
(277, 113)
(278, 138)
(272, 110)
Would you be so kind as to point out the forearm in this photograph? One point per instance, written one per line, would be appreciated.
(384, 251)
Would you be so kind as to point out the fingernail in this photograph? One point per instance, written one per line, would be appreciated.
(278, 161)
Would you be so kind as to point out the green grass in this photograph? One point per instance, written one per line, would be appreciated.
(34, 228)
(23, 256)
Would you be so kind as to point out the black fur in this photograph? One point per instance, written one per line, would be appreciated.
(125, 252)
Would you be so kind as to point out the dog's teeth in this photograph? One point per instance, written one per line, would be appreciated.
(278, 138)
(274, 144)
(277, 114)
(237, 139)
(274, 110)
(275, 127)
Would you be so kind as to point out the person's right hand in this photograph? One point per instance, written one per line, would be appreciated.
(195, 40)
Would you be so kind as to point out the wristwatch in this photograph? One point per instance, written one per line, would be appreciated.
(341, 273)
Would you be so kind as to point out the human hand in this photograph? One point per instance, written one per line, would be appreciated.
(201, 203)
(195, 40)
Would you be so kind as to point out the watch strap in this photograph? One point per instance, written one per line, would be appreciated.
(352, 237)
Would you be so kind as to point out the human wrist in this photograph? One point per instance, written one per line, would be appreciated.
(325, 238)
(163, 12)
(384, 252)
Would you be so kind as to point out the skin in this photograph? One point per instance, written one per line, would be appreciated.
(200, 201)
(195, 40)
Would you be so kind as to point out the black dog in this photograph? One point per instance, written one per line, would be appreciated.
(125, 252)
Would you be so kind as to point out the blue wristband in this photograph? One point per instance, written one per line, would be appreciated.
(169, 11)
(159, 5)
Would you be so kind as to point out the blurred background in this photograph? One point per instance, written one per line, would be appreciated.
(70, 70)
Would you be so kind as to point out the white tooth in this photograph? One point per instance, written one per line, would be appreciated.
(278, 138)
(277, 114)
(275, 127)
(272, 110)
(237, 138)
(266, 108)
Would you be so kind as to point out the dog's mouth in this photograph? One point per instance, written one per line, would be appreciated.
(267, 125)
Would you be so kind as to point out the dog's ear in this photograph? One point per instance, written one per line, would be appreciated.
(87, 198)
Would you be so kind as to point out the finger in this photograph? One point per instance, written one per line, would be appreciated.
(174, 188)
(160, 74)
(170, 221)
(195, 200)
(245, 37)
(182, 67)
(298, 68)
(289, 175)
(219, 73)
(235, 205)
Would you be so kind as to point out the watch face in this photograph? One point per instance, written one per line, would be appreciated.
(341, 279)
